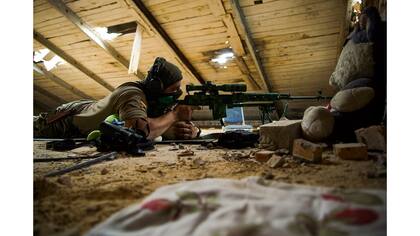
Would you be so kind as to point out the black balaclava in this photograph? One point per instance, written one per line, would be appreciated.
(160, 76)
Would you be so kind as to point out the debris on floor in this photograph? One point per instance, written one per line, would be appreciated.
(127, 180)
(263, 156)
(187, 152)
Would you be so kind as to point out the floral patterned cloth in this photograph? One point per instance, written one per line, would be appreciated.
(251, 206)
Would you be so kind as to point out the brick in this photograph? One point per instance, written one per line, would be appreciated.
(308, 151)
(351, 151)
(275, 161)
(373, 137)
(263, 156)
(280, 134)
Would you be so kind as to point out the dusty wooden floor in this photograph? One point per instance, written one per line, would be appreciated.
(78, 200)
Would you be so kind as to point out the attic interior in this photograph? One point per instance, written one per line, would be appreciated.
(280, 127)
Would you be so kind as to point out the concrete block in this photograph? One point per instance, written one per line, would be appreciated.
(280, 134)
(308, 151)
(373, 137)
(263, 156)
(351, 151)
(276, 161)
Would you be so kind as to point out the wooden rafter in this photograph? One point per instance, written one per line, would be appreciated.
(136, 50)
(59, 81)
(162, 36)
(49, 95)
(52, 47)
(218, 10)
(245, 71)
(237, 10)
(91, 33)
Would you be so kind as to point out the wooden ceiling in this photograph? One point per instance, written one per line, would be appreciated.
(280, 45)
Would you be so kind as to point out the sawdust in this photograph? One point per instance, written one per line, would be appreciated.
(73, 205)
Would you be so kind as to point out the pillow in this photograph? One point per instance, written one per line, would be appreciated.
(317, 123)
(355, 61)
(350, 100)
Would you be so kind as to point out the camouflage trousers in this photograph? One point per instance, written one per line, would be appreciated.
(63, 127)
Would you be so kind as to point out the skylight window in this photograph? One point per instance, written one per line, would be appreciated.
(223, 58)
(55, 61)
(103, 33)
(41, 55)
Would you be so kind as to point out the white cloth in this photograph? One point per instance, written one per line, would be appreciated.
(251, 206)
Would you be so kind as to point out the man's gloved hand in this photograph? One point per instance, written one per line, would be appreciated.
(182, 130)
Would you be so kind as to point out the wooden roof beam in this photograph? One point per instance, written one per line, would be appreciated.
(59, 81)
(136, 51)
(91, 33)
(237, 10)
(218, 10)
(49, 95)
(147, 18)
(52, 47)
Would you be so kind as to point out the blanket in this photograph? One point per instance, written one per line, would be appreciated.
(251, 206)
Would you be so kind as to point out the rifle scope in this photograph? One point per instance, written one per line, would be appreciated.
(209, 87)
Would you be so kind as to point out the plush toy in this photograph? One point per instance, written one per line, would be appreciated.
(317, 123)
(353, 99)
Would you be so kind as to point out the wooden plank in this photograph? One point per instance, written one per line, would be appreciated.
(294, 22)
(300, 64)
(91, 33)
(310, 8)
(234, 39)
(327, 39)
(59, 81)
(48, 94)
(136, 50)
(217, 8)
(285, 52)
(71, 60)
(250, 43)
(54, 88)
(245, 70)
(302, 32)
(147, 17)
(184, 14)
(276, 6)
(174, 6)
(203, 32)
(345, 23)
